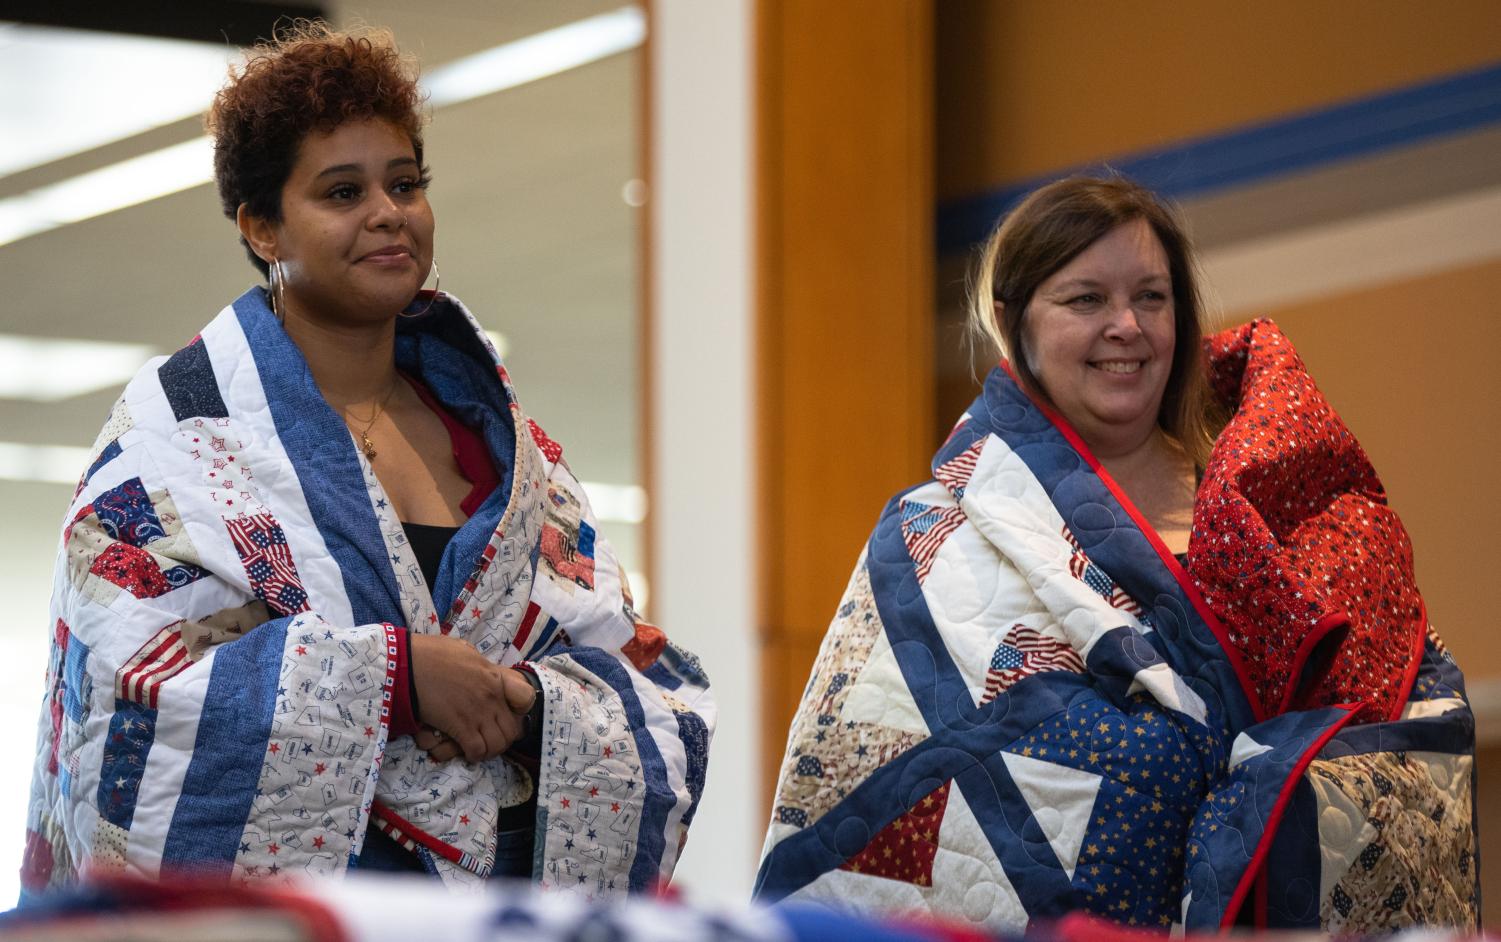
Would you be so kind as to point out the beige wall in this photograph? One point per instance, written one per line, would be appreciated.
(1030, 86)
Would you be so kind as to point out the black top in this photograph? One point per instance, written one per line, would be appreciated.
(428, 544)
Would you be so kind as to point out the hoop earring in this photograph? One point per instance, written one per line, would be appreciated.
(278, 281)
(437, 283)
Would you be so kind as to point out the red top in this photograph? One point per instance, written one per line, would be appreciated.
(469, 451)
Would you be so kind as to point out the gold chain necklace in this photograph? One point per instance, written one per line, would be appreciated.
(366, 445)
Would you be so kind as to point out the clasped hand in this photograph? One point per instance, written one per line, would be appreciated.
(470, 706)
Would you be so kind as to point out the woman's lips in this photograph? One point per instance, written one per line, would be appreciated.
(389, 256)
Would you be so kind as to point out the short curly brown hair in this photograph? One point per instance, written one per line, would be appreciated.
(310, 77)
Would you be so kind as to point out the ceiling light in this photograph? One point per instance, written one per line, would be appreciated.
(107, 189)
(536, 56)
(99, 87)
(190, 164)
(50, 464)
(43, 369)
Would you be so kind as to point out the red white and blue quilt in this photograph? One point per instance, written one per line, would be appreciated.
(1026, 706)
(229, 584)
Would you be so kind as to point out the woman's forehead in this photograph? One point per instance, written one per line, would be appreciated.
(371, 144)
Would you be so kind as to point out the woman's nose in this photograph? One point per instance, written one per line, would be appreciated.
(385, 214)
(1123, 323)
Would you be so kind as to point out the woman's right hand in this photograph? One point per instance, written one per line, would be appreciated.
(465, 696)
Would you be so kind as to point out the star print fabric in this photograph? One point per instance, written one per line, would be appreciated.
(232, 597)
(1292, 529)
(1025, 707)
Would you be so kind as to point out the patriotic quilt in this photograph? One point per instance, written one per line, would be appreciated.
(1025, 706)
(229, 587)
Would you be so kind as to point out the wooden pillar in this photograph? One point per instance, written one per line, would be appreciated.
(844, 384)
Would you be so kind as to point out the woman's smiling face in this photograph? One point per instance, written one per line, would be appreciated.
(1099, 336)
(356, 235)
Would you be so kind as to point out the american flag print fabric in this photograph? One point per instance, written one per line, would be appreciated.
(230, 590)
(1023, 652)
(1025, 707)
(1096, 578)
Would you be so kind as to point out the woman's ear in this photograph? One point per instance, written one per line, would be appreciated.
(259, 234)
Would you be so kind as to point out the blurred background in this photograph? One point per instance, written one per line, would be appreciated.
(723, 246)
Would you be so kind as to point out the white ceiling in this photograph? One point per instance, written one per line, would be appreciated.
(533, 234)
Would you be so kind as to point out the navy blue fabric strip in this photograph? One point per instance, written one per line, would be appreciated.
(963, 744)
(659, 799)
(694, 733)
(317, 441)
(1452, 732)
(661, 676)
(541, 642)
(110, 453)
(188, 380)
(233, 730)
(933, 679)
(1266, 150)
(1016, 837)
(1233, 819)
(1293, 895)
(965, 754)
(132, 731)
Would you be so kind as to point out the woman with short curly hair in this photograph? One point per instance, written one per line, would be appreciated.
(327, 599)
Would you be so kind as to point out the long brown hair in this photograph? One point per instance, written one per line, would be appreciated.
(1046, 231)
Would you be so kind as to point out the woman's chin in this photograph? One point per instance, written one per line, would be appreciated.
(1118, 420)
(1116, 409)
(386, 301)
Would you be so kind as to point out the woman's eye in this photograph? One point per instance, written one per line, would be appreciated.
(1084, 300)
(1154, 297)
(409, 185)
(344, 191)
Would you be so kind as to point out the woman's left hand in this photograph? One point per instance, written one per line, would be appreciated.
(440, 748)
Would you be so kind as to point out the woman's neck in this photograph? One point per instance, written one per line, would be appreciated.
(1134, 460)
(1159, 478)
(351, 363)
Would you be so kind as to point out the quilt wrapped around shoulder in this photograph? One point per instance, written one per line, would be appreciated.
(228, 588)
(1025, 706)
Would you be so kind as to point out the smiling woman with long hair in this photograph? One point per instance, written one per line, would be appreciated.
(1149, 644)
(327, 599)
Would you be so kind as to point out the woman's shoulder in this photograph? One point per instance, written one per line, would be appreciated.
(168, 391)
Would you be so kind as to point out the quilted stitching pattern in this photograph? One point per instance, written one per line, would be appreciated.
(1078, 730)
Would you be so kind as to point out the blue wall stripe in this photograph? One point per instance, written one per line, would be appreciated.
(1251, 154)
